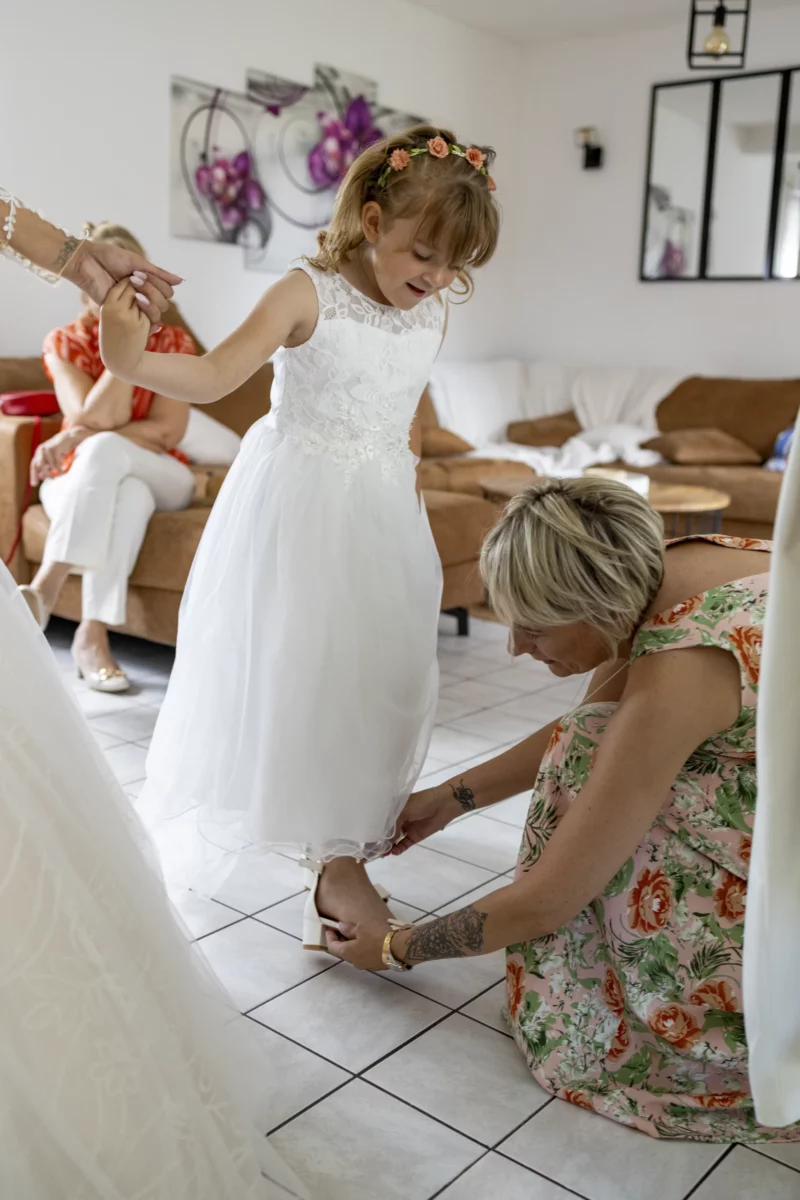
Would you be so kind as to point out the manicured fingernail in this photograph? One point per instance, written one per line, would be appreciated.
(140, 296)
(157, 328)
(138, 277)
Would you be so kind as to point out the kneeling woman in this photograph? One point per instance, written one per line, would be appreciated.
(112, 466)
(624, 925)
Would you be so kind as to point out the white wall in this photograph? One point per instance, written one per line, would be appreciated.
(84, 90)
(579, 298)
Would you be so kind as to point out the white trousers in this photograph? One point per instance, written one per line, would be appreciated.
(99, 512)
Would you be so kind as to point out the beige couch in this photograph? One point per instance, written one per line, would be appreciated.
(459, 514)
(752, 410)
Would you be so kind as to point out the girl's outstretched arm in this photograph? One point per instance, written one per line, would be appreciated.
(285, 316)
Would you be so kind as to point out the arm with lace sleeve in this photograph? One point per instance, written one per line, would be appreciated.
(34, 242)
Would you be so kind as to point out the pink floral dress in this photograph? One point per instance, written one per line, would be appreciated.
(634, 1009)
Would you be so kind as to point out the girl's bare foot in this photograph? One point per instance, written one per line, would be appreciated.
(345, 893)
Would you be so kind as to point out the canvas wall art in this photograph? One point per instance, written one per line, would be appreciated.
(259, 169)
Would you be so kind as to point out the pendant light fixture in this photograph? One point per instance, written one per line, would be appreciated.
(718, 35)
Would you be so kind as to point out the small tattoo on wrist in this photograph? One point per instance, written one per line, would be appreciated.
(66, 252)
(463, 795)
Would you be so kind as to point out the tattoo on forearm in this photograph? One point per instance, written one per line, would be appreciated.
(456, 936)
(66, 252)
(464, 795)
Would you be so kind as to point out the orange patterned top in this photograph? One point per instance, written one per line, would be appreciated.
(79, 343)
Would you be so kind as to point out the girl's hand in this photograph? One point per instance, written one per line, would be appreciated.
(425, 813)
(46, 462)
(124, 330)
(96, 266)
(361, 945)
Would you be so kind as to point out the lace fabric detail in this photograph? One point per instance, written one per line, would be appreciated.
(9, 224)
(339, 301)
(350, 393)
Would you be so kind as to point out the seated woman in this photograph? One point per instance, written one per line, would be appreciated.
(624, 924)
(112, 466)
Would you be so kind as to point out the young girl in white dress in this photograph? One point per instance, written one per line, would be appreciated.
(300, 707)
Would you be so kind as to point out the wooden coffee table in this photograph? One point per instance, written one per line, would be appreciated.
(686, 509)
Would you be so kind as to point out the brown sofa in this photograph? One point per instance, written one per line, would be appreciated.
(459, 514)
(753, 410)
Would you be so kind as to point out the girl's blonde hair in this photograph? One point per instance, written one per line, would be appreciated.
(452, 202)
(568, 550)
(107, 231)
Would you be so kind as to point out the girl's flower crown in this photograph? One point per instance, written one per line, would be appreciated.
(437, 147)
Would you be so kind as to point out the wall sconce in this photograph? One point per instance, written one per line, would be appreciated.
(588, 139)
(715, 41)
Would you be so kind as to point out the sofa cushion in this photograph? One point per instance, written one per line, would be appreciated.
(753, 491)
(441, 443)
(459, 524)
(754, 410)
(23, 375)
(467, 474)
(545, 431)
(703, 447)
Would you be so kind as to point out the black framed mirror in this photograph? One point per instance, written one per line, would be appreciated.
(722, 190)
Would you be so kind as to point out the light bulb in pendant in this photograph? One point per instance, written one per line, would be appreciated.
(718, 41)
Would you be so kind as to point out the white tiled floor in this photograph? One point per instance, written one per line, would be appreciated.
(410, 1088)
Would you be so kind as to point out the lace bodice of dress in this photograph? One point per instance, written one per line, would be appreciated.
(350, 392)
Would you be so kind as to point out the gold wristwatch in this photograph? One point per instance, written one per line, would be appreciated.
(387, 958)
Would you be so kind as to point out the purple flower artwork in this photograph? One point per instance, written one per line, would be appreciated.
(341, 142)
(260, 169)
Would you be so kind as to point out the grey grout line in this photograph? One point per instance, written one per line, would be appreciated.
(293, 987)
(756, 1149)
(300, 1046)
(301, 1113)
(460, 1175)
(416, 1108)
(570, 1191)
(710, 1171)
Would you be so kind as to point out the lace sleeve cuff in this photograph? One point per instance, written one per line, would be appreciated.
(7, 233)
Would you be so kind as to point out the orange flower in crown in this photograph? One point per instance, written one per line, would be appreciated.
(438, 147)
(399, 160)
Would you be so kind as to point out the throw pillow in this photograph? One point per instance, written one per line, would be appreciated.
(703, 448)
(209, 442)
(545, 431)
(780, 455)
(441, 443)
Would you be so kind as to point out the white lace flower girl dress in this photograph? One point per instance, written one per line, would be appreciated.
(300, 707)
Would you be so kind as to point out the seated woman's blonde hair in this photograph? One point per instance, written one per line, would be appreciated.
(568, 550)
(108, 231)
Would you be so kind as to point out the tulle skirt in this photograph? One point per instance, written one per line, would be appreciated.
(113, 1033)
(300, 707)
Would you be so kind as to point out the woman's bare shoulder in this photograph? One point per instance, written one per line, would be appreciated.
(694, 567)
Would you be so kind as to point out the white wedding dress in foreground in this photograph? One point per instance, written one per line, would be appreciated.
(771, 970)
(113, 1034)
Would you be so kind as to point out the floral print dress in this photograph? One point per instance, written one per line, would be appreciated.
(634, 1009)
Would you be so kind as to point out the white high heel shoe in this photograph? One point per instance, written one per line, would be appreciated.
(105, 680)
(310, 873)
(314, 925)
(41, 614)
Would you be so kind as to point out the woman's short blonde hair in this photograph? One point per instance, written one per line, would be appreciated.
(108, 231)
(569, 550)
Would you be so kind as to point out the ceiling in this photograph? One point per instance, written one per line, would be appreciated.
(548, 19)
